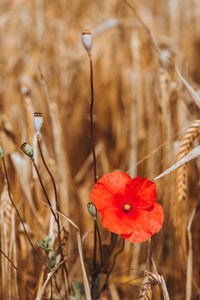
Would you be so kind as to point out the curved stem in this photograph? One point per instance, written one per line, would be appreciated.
(43, 188)
(57, 219)
(111, 269)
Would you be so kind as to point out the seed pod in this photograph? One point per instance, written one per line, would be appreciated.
(27, 149)
(87, 39)
(38, 121)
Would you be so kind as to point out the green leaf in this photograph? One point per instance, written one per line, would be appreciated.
(47, 239)
(40, 243)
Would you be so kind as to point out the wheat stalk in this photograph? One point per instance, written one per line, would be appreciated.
(180, 214)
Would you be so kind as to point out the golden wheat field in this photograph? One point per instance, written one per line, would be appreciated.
(144, 68)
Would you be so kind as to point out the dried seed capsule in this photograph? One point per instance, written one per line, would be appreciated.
(38, 121)
(87, 39)
(27, 149)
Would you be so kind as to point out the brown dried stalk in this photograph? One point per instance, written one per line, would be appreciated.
(49, 277)
(18, 273)
(180, 215)
(5, 231)
(17, 211)
(195, 96)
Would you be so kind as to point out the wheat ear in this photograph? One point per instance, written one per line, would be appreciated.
(180, 216)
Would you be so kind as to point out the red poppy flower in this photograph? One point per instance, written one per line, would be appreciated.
(128, 206)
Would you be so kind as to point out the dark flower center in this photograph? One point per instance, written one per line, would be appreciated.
(127, 207)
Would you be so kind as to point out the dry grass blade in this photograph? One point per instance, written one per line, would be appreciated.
(161, 281)
(194, 153)
(193, 93)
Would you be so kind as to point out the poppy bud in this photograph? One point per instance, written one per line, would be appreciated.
(38, 121)
(91, 208)
(87, 39)
(1, 152)
(27, 149)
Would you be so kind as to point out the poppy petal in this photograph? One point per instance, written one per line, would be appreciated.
(116, 221)
(141, 192)
(146, 224)
(109, 185)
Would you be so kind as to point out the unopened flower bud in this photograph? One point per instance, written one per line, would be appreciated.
(92, 209)
(87, 39)
(38, 121)
(27, 149)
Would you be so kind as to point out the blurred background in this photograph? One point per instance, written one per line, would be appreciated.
(145, 120)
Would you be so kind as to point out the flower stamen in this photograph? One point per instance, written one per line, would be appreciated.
(127, 207)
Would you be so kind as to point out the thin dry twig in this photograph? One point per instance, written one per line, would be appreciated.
(49, 276)
(161, 281)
